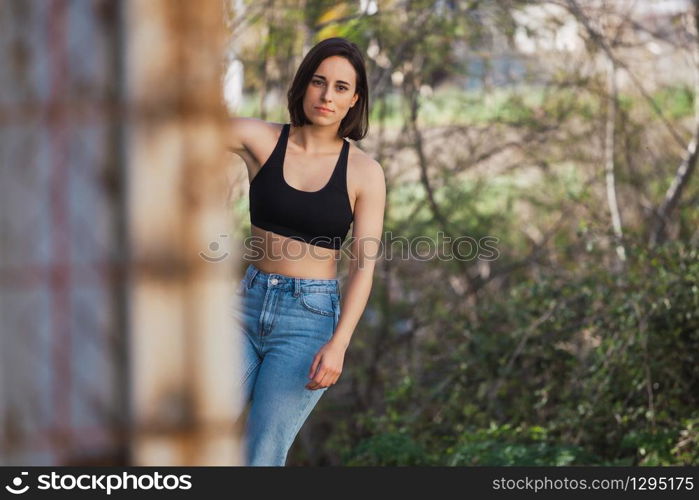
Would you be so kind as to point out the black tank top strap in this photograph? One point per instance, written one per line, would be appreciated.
(339, 175)
(280, 147)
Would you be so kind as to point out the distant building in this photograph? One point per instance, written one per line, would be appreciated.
(550, 27)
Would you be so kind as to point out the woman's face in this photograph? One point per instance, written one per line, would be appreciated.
(331, 91)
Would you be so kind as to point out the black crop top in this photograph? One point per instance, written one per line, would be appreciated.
(320, 217)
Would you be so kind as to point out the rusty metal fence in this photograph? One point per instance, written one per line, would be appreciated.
(115, 340)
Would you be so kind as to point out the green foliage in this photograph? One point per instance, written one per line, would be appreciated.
(675, 101)
(387, 449)
(577, 368)
(505, 445)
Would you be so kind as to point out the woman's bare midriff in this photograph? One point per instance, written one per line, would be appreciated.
(274, 253)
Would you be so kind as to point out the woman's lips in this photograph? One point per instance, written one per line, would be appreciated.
(323, 110)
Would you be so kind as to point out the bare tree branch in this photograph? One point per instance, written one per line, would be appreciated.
(689, 162)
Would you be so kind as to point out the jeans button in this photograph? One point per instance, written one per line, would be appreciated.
(274, 281)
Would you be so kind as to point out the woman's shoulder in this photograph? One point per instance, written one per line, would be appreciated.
(363, 170)
(361, 161)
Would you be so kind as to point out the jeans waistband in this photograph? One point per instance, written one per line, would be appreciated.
(255, 276)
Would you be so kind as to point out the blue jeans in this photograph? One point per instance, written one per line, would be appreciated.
(283, 322)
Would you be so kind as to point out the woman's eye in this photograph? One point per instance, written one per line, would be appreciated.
(316, 82)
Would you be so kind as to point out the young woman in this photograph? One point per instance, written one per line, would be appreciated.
(307, 185)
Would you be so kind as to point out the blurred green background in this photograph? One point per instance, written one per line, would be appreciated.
(568, 132)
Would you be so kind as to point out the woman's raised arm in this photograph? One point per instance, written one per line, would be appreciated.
(241, 131)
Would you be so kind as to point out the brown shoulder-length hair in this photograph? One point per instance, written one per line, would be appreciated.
(356, 123)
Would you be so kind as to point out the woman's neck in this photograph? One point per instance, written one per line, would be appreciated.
(314, 139)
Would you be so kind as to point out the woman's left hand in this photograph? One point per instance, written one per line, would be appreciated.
(326, 366)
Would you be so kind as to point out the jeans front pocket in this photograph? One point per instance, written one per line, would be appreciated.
(322, 303)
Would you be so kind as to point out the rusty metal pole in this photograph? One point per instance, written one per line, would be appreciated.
(182, 354)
